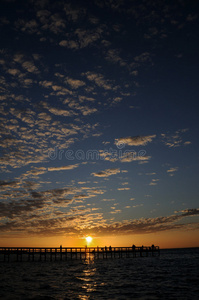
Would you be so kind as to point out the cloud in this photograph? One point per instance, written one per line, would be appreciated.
(73, 14)
(60, 112)
(69, 44)
(63, 168)
(143, 57)
(41, 209)
(75, 83)
(88, 37)
(150, 174)
(176, 139)
(99, 80)
(116, 100)
(135, 141)
(116, 211)
(171, 170)
(57, 111)
(34, 172)
(38, 209)
(31, 130)
(189, 212)
(108, 200)
(138, 205)
(148, 225)
(30, 67)
(83, 98)
(84, 109)
(57, 89)
(130, 156)
(46, 83)
(113, 56)
(6, 185)
(29, 27)
(88, 110)
(187, 143)
(192, 17)
(13, 72)
(154, 182)
(106, 173)
(126, 156)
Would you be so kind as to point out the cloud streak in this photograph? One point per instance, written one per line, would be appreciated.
(135, 140)
(107, 172)
(63, 168)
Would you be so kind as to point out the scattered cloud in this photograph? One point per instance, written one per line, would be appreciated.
(124, 156)
(65, 90)
(176, 139)
(113, 55)
(149, 225)
(99, 80)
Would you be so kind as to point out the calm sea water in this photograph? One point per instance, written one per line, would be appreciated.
(172, 275)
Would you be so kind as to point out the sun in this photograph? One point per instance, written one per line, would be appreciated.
(89, 239)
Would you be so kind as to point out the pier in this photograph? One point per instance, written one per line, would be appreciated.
(74, 253)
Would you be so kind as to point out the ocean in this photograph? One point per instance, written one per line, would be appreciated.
(172, 275)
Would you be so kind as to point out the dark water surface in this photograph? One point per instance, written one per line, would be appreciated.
(172, 275)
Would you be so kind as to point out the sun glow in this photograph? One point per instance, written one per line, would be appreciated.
(89, 239)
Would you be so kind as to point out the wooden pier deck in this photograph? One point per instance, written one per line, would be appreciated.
(67, 253)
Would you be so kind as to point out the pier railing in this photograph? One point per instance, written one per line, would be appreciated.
(66, 253)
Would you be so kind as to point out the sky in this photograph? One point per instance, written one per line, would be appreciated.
(99, 123)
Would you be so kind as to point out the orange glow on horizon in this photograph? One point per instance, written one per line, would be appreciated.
(166, 239)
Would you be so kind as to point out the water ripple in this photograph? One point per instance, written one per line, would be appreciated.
(173, 275)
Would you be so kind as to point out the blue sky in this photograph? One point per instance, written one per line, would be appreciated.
(99, 117)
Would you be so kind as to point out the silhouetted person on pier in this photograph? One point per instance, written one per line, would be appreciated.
(105, 248)
(60, 248)
(133, 248)
(110, 248)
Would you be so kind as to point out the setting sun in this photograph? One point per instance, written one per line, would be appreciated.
(89, 239)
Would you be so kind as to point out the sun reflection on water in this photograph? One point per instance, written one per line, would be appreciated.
(88, 278)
